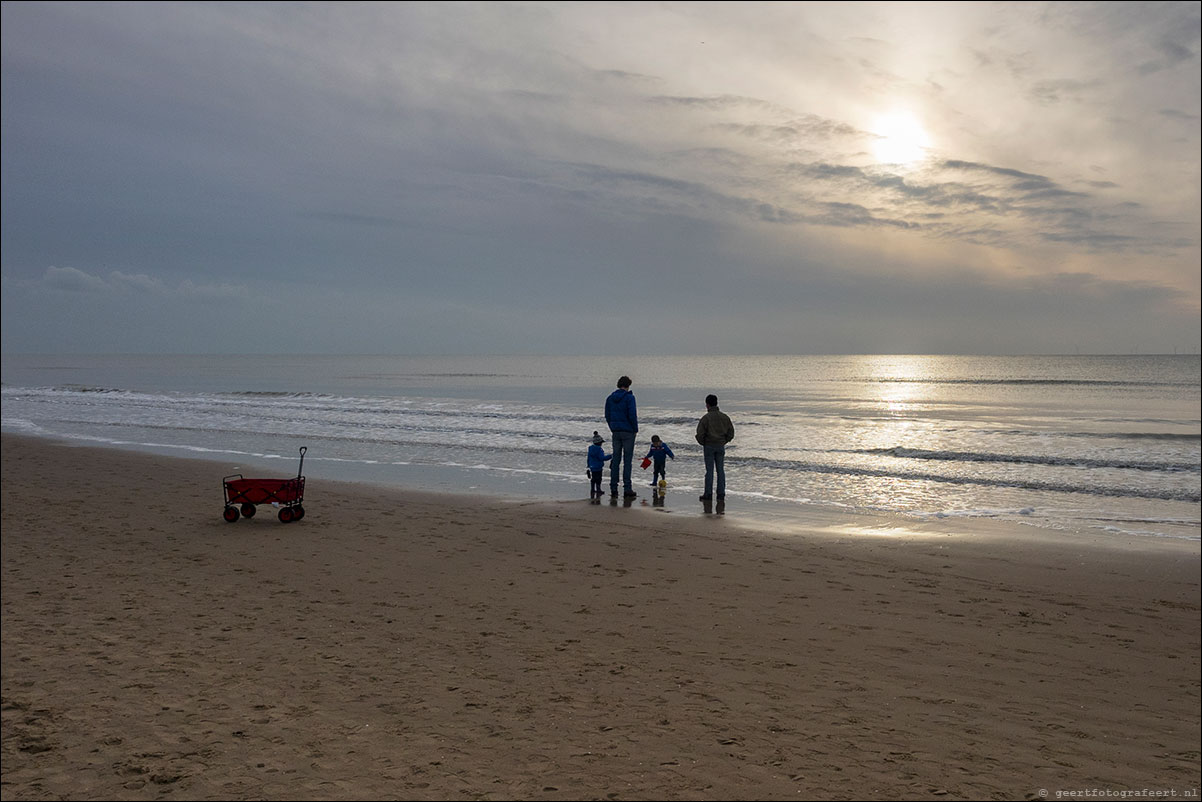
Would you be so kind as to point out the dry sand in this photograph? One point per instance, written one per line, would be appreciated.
(400, 646)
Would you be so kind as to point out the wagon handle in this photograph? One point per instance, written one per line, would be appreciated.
(301, 469)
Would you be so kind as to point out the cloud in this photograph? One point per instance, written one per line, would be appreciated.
(1172, 53)
(809, 129)
(1180, 116)
(854, 215)
(495, 161)
(70, 279)
(139, 282)
(721, 104)
(1061, 90)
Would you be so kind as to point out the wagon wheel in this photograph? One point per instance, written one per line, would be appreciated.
(286, 516)
(248, 510)
(230, 514)
(298, 512)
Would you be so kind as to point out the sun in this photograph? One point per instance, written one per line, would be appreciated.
(899, 139)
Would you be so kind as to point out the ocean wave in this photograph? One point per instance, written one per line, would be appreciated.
(1183, 437)
(1027, 459)
(1166, 494)
(80, 388)
(1030, 382)
(20, 425)
(1167, 436)
(273, 394)
(438, 375)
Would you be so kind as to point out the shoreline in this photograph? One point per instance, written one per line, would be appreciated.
(427, 646)
(745, 511)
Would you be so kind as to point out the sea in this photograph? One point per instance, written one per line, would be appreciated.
(1097, 445)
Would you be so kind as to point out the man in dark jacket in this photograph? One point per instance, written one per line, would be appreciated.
(714, 431)
(623, 420)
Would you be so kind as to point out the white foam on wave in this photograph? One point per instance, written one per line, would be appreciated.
(1126, 531)
(21, 426)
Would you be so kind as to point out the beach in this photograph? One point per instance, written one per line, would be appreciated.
(394, 645)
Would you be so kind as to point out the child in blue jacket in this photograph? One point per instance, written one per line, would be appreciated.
(596, 465)
(658, 455)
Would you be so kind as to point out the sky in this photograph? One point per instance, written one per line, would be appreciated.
(600, 178)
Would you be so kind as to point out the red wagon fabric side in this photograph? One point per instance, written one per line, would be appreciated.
(263, 491)
(292, 490)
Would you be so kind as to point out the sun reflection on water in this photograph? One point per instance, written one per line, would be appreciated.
(900, 393)
(900, 379)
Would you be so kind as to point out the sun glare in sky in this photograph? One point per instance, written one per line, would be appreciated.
(900, 139)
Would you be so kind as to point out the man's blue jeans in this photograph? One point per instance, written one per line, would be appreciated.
(624, 451)
(715, 461)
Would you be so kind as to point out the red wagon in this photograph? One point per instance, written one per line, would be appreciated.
(242, 495)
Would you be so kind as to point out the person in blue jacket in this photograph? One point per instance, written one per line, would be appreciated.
(659, 454)
(596, 465)
(622, 416)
